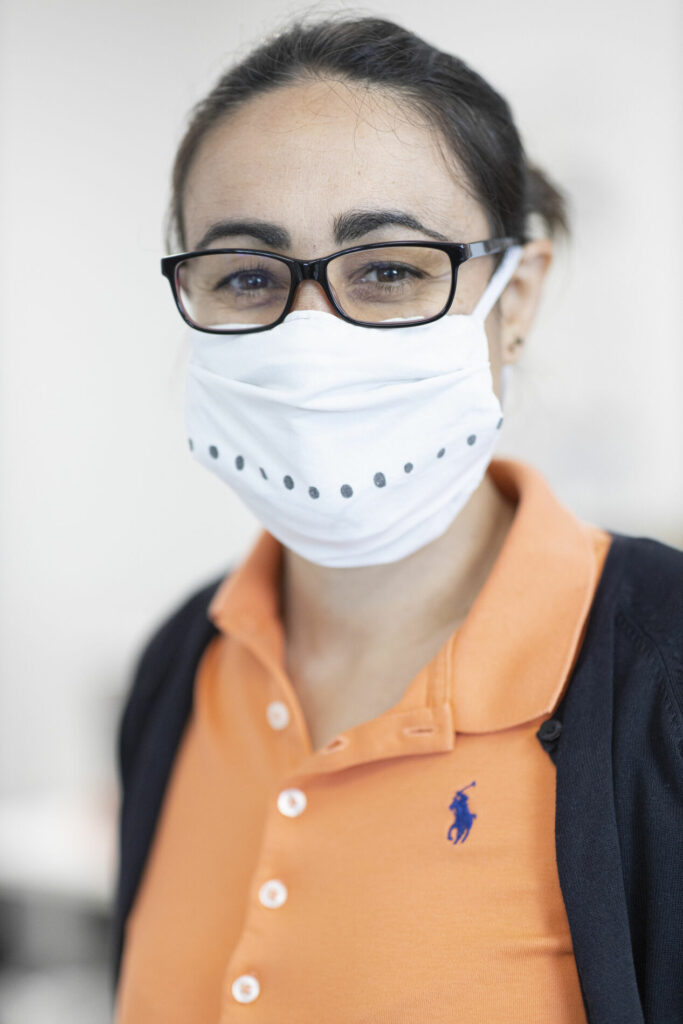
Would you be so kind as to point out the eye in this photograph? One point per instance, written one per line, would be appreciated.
(245, 281)
(387, 273)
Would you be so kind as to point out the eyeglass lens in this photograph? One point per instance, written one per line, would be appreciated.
(372, 285)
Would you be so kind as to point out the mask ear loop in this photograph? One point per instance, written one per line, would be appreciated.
(505, 382)
(492, 293)
(498, 282)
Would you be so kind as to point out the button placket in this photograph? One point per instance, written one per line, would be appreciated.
(246, 988)
(277, 714)
(291, 802)
(273, 893)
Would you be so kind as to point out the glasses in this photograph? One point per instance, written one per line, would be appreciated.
(386, 284)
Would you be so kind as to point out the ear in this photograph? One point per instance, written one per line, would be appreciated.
(519, 302)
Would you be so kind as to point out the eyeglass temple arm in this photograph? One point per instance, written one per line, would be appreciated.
(490, 246)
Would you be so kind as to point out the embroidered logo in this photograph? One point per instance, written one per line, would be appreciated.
(463, 815)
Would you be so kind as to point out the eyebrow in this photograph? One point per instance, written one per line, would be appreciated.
(270, 234)
(355, 223)
(347, 227)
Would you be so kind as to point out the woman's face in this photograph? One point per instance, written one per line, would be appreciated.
(319, 166)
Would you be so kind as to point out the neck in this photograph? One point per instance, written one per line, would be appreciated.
(340, 620)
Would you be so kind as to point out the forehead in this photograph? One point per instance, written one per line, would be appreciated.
(303, 154)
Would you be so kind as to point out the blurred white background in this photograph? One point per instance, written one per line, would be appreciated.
(106, 522)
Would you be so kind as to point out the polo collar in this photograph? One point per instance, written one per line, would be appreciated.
(509, 661)
(513, 655)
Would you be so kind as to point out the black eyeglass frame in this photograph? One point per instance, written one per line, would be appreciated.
(316, 270)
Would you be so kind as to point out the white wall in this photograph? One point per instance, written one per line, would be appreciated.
(105, 520)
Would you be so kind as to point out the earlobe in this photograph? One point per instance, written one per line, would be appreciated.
(519, 302)
(512, 351)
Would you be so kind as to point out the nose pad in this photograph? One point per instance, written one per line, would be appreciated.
(310, 295)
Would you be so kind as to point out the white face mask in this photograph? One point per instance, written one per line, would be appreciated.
(352, 445)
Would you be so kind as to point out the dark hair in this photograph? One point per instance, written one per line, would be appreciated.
(474, 120)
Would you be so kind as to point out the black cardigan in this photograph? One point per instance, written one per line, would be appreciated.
(616, 739)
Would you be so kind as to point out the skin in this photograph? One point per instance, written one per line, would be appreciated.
(299, 157)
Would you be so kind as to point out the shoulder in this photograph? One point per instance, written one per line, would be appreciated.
(190, 610)
(174, 645)
(626, 691)
(645, 580)
(175, 630)
(641, 594)
(648, 563)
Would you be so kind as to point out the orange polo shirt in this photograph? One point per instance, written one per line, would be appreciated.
(406, 872)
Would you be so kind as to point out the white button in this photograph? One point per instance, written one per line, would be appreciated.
(246, 988)
(273, 893)
(291, 802)
(277, 714)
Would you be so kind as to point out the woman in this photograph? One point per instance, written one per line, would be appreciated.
(418, 756)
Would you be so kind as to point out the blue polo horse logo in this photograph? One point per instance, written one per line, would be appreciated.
(463, 815)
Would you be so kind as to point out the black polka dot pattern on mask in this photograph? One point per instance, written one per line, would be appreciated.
(499, 424)
(379, 479)
(190, 443)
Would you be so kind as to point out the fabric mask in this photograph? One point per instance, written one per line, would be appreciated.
(351, 445)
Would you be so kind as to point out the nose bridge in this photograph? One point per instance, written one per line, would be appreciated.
(310, 270)
(309, 296)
